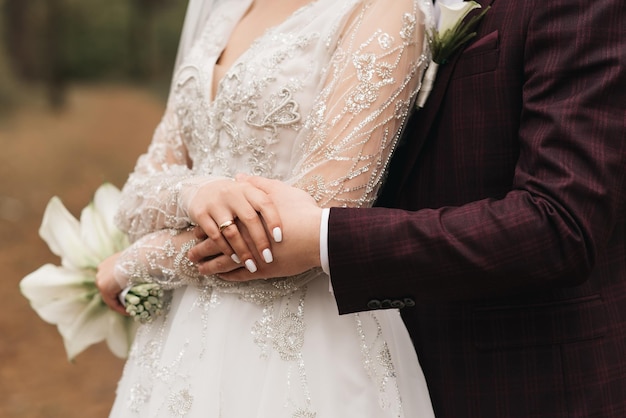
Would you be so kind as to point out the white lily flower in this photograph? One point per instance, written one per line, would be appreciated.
(97, 228)
(120, 334)
(62, 232)
(452, 12)
(96, 323)
(449, 34)
(66, 295)
(58, 294)
(106, 200)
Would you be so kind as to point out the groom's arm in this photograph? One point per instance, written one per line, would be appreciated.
(566, 201)
(546, 232)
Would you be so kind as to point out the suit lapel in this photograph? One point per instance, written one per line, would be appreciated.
(421, 122)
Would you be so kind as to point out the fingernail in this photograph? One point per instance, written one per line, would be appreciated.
(250, 266)
(267, 255)
(235, 258)
(278, 234)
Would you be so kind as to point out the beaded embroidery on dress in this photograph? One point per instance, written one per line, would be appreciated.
(318, 101)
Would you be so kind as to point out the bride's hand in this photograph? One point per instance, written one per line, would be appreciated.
(108, 286)
(216, 205)
(300, 217)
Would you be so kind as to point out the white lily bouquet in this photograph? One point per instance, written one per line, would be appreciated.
(67, 296)
(451, 32)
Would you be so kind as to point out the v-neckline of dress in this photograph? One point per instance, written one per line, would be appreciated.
(237, 15)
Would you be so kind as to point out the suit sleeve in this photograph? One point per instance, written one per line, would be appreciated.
(567, 199)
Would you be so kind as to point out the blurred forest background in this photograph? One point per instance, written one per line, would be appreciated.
(53, 43)
(83, 85)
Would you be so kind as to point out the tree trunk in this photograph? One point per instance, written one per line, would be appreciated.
(144, 56)
(18, 46)
(55, 73)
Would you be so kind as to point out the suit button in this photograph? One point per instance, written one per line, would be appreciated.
(397, 304)
(386, 303)
(373, 304)
(409, 303)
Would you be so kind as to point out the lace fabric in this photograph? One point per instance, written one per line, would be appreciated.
(336, 147)
(318, 101)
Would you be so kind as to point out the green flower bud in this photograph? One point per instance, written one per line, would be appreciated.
(132, 299)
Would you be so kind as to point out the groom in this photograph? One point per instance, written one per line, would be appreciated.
(506, 248)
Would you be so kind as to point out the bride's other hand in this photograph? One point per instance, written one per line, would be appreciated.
(217, 207)
(108, 286)
(208, 256)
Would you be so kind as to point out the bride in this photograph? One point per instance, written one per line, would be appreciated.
(310, 92)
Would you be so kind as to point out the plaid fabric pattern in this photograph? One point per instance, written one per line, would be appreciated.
(509, 220)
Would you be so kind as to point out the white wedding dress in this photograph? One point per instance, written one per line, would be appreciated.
(317, 101)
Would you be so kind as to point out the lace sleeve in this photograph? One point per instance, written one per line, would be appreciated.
(356, 121)
(151, 198)
(159, 257)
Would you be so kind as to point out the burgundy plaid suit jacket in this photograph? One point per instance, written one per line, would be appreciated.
(507, 255)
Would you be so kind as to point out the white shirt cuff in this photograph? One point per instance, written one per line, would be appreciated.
(324, 241)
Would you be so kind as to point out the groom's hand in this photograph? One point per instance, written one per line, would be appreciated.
(299, 249)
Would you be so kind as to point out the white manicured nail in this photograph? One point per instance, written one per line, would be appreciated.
(267, 255)
(235, 258)
(250, 266)
(278, 234)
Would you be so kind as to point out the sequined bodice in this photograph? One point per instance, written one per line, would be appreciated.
(260, 104)
(318, 101)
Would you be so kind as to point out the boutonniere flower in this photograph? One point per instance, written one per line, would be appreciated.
(67, 296)
(451, 32)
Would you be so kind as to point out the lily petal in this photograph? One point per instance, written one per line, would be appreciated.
(452, 14)
(98, 228)
(57, 294)
(63, 312)
(107, 200)
(95, 232)
(88, 328)
(49, 283)
(121, 333)
(61, 231)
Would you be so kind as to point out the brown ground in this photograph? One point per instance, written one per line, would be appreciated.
(69, 154)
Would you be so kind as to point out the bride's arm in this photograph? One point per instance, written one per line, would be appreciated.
(357, 118)
(160, 202)
(347, 140)
(150, 197)
(159, 257)
(165, 191)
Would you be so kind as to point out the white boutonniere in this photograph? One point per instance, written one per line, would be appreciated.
(449, 34)
(66, 295)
